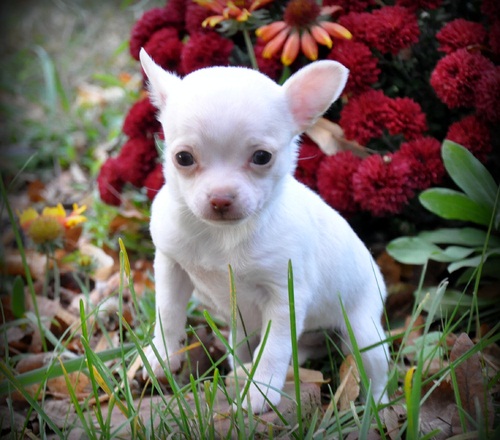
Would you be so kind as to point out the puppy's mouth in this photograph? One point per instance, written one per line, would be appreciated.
(225, 218)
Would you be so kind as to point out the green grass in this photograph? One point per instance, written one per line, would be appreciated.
(189, 410)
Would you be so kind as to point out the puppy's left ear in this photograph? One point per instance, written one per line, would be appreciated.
(161, 82)
(312, 90)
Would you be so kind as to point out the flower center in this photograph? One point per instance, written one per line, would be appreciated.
(301, 13)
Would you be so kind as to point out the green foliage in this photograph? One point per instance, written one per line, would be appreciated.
(464, 247)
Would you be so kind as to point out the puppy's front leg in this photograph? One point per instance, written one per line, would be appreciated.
(173, 290)
(271, 371)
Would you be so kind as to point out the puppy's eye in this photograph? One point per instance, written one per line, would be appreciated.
(261, 157)
(184, 159)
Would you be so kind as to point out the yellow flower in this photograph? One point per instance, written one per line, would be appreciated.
(76, 217)
(26, 217)
(49, 226)
(239, 10)
(55, 211)
(45, 230)
(303, 27)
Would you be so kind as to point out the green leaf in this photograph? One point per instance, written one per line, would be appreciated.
(471, 262)
(459, 236)
(469, 174)
(411, 250)
(451, 253)
(454, 205)
(18, 303)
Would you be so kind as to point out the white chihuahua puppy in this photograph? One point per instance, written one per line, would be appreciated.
(231, 199)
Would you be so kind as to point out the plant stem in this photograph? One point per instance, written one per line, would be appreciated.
(251, 52)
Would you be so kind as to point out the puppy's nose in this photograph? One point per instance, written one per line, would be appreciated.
(221, 202)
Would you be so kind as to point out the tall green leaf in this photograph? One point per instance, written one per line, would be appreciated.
(454, 205)
(469, 174)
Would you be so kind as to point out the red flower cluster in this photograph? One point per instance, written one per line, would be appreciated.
(365, 117)
(460, 34)
(457, 75)
(362, 65)
(334, 181)
(386, 105)
(380, 184)
(474, 134)
(388, 29)
(310, 157)
(167, 33)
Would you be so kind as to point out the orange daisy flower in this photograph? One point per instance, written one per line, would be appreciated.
(305, 25)
(239, 10)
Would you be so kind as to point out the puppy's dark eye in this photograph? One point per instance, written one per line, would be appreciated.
(184, 159)
(261, 157)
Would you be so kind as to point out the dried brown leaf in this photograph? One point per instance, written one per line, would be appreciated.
(393, 417)
(349, 388)
(330, 138)
(471, 381)
(79, 382)
(438, 411)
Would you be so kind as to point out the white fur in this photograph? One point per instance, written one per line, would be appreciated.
(226, 210)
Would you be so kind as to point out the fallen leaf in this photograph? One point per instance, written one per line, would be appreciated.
(438, 411)
(103, 262)
(393, 417)
(79, 382)
(35, 191)
(330, 138)
(349, 388)
(471, 385)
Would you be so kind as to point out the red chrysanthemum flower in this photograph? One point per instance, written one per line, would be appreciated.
(405, 117)
(494, 37)
(459, 34)
(419, 4)
(137, 159)
(141, 120)
(110, 182)
(176, 11)
(382, 184)
(334, 181)
(310, 156)
(147, 25)
(426, 164)
(357, 23)
(154, 181)
(472, 133)
(362, 65)
(363, 118)
(388, 29)
(350, 5)
(393, 28)
(165, 48)
(488, 96)
(457, 75)
(205, 50)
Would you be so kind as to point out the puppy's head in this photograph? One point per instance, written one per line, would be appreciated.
(230, 132)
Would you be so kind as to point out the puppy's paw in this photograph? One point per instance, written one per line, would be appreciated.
(256, 401)
(173, 361)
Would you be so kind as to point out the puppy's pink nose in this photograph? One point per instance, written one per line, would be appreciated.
(221, 203)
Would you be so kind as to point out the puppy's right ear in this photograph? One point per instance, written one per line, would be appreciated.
(161, 82)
